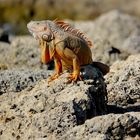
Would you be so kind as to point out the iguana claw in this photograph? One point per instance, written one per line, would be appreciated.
(74, 77)
(53, 77)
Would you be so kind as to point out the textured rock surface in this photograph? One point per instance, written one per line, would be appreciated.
(111, 34)
(4, 55)
(49, 111)
(32, 109)
(132, 44)
(123, 82)
(23, 52)
(112, 126)
(118, 27)
(17, 80)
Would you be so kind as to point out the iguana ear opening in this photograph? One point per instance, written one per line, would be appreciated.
(48, 37)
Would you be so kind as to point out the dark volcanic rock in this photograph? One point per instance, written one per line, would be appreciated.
(4, 36)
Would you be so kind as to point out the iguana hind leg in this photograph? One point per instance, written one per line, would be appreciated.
(76, 71)
(73, 59)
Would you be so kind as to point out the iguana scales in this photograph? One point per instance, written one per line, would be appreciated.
(69, 47)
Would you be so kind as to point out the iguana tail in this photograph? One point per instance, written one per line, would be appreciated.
(102, 67)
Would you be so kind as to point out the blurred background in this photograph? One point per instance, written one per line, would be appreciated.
(112, 25)
(14, 14)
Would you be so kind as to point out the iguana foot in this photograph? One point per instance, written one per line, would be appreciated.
(74, 77)
(53, 77)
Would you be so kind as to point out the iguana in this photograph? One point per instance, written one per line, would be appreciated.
(69, 47)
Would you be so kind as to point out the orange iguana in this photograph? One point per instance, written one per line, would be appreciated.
(67, 46)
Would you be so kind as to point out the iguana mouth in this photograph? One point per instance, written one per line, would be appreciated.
(31, 28)
(32, 31)
(33, 34)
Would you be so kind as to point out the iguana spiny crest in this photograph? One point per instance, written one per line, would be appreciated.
(42, 29)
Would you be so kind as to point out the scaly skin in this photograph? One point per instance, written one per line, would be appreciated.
(45, 57)
(69, 51)
(65, 58)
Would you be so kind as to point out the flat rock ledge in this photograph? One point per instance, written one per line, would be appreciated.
(48, 111)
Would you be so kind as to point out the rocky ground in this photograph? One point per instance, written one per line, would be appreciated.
(97, 108)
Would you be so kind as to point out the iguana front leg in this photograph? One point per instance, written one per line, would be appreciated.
(58, 69)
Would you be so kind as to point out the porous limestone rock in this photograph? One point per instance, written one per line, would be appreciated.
(107, 127)
(17, 80)
(114, 34)
(48, 111)
(123, 83)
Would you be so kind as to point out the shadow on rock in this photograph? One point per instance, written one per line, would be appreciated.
(117, 110)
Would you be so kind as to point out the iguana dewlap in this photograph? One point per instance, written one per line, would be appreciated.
(67, 46)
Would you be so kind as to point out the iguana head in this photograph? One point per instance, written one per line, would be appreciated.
(40, 30)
